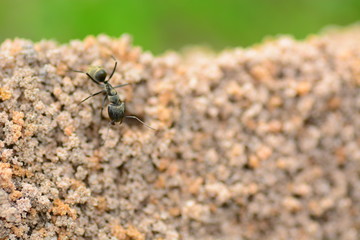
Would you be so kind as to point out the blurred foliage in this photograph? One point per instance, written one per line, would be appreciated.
(158, 25)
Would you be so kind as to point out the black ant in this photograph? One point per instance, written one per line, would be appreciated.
(116, 108)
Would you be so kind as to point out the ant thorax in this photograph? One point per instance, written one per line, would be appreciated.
(110, 91)
(114, 99)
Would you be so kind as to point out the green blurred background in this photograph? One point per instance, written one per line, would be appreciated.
(159, 25)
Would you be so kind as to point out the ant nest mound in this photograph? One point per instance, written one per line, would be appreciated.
(258, 143)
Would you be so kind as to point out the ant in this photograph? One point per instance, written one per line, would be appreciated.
(116, 108)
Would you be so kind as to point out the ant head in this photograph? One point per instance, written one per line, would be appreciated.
(100, 75)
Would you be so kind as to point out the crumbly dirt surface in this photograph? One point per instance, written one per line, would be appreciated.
(258, 143)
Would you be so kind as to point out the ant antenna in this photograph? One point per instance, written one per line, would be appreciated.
(134, 117)
(72, 70)
(113, 69)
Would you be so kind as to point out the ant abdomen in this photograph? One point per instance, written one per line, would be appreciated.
(116, 112)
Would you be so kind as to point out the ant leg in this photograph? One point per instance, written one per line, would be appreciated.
(113, 69)
(102, 106)
(122, 85)
(134, 117)
(107, 132)
(92, 95)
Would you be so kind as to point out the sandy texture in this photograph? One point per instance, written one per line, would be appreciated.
(259, 143)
